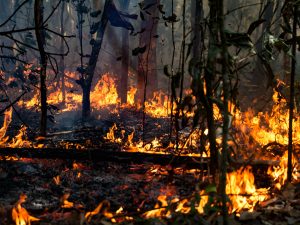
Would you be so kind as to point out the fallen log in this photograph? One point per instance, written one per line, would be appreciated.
(114, 155)
(104, 155)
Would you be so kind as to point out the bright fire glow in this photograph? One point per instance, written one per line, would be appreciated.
(20, 215)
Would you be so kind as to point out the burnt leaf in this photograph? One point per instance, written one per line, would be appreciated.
(82, 9)
(95, 13)
(142, 16)
(149, 6)
(94, 27)
(81, 69)
(149, 13)
(166, 71)
(51, 118)
(241, 40)
(117, 19)
(139, 32)
(139, 50)
(171, 19)
(254, 25)
(141, 5)
(160, 8)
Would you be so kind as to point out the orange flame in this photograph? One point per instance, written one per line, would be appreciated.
(20, 215)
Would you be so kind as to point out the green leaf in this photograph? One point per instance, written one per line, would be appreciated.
(211, 188)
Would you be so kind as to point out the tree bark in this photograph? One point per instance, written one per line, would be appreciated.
(147, 73)
(226, 95)
(197, 20)
(292, 94)
(87, 79)
(209, 77)
(123, 84)
(62, 50)
(40, 37)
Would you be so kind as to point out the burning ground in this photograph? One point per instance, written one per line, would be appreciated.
(132, 191)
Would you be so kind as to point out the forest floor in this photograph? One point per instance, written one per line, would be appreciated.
(50, 185)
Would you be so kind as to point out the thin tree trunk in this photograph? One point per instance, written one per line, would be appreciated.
(62, 50)
(292, 95)
(123, 84)
(209, 77)
(226, 95)
(197, 20)
(86, 82)
(40, 37)
(147, 73)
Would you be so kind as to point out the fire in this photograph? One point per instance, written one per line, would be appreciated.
(102, 208)
(20, 215)
(265, 128)
(105, 92)
(162, 207)
(131, 95)
(279, 173)
(242, 191)
(65, 203)
(19, 140)
(159, 106)
(6, 122)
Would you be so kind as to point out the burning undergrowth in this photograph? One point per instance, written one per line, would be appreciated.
(73, 190)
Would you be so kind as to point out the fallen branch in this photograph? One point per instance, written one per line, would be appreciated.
(103, 155)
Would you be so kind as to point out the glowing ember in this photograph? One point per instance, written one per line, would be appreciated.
(20, 215)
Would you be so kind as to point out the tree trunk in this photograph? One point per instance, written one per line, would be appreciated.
(197, 20)
(86, 81)
(62, 50)
(123, 84)
(209, 76)
(292, 94)
(40, 37)
(226, 95)
(147, 73)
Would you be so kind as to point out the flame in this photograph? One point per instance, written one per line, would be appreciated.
(131, 95)
(103, 207)
(57, 180)
(19, 141)
(279, 173)
(162, 207)
(242, 191)
(105, 92)
(65, 203)
(6, 122)
(20, 215)
(265, 128)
